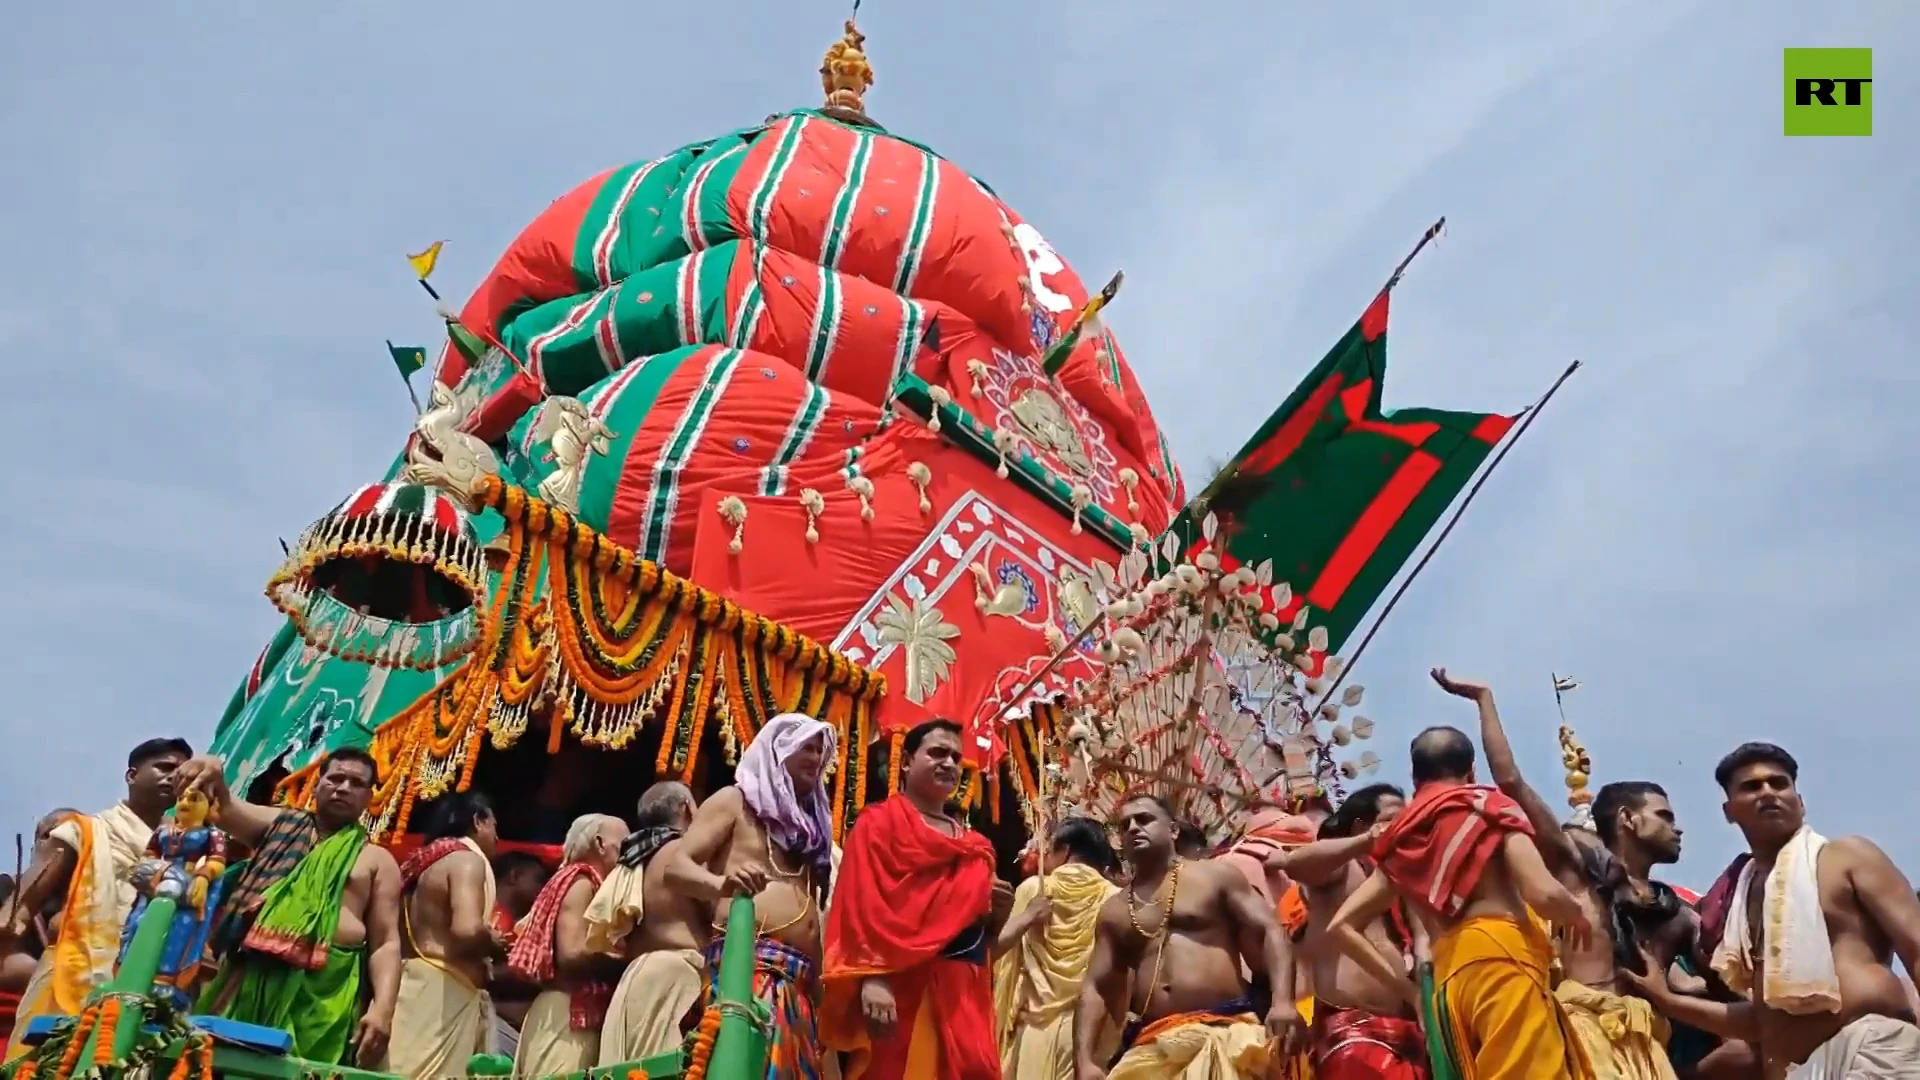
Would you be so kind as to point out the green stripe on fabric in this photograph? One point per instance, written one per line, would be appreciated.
(759, 207)
(704, 221)
(560, 342)
(924, 203)
(637, 394)
(600, 229)
(826, 325)
(834, 244)
(813, 408)
(664, 493)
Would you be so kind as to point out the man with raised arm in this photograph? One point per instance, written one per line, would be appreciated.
(1621, 1035)
(86, 861)
(637, 914)
(1809, 940)
(769, 836)
(310, 928)
(1173, 935)
(1362, 1027)
(916, 908)
(1463, 855)
(561, 1032)
(444, 1016)
(1042, 952)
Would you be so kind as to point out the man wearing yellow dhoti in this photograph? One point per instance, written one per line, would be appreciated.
(1175, 935)
(89, 859)
(561, 1032)
(444, 1015)
(1042, 955)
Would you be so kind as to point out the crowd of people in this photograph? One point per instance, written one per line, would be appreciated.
(1461, 930)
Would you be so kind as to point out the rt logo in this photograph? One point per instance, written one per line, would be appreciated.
(1829, 91)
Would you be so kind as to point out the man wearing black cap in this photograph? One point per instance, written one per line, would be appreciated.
(85, 863)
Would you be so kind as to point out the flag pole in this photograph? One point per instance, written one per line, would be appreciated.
(1196, 504)
(447, 313)
(1532, 413)
(407, 378)
(1433, 233)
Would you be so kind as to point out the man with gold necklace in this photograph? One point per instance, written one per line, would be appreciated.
(770, 836)
(1173, 932)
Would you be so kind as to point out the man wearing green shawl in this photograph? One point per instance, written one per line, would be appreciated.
(314, 920)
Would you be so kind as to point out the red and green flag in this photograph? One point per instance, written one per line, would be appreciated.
(1337, 492)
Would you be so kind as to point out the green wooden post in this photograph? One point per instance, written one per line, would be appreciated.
(740, 1050)
(135, 975)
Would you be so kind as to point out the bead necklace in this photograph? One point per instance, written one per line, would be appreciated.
(1166, 927)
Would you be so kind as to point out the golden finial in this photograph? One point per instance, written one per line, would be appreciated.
(1579, 766)
(845, 74)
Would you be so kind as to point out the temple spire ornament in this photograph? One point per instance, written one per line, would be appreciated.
(845, 74)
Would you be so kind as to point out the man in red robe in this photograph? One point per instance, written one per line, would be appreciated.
(907, 992)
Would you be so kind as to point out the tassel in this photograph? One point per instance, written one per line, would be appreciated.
(814, 504)
(921, 476)
(733, 509)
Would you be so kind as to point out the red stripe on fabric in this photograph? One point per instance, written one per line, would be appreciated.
(1354, 400)
(1414, 434)
(1373, 322)
(365, 500)
(446, 515)
(1367, 533)
(1492, 429)
(1293, 431)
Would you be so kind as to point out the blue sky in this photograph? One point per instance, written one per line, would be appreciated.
(205, 216)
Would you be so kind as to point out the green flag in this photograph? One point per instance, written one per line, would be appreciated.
(1336, 492)
(408, 358)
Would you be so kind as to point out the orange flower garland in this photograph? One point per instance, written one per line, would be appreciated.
(702, 1050)
(104, 1030)
(606, 642)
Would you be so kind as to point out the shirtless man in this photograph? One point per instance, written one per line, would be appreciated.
(268, 942)
(769, 836)
(1173, 936)
(657, 999)
(1822, 1000)
(1593, 992)
(1463, 856)
(1361, 1026)
(448, 892)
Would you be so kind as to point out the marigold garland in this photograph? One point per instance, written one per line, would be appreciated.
(613, 643)
(700, 1051)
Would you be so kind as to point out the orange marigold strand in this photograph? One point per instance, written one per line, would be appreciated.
(702, 1050)
(71, 1056)
(105, 1030)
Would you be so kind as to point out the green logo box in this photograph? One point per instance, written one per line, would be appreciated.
(1829, 91)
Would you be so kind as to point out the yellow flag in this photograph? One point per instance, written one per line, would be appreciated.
(423, 262)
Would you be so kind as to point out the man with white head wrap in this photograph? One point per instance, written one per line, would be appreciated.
(770, 836)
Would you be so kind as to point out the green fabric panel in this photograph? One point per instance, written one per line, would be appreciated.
(1460, 457)
(1308, 503)
(698, 207)
(581, 340)
(643, 234)
(628, 413)
(310, 703)
(276, 649)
